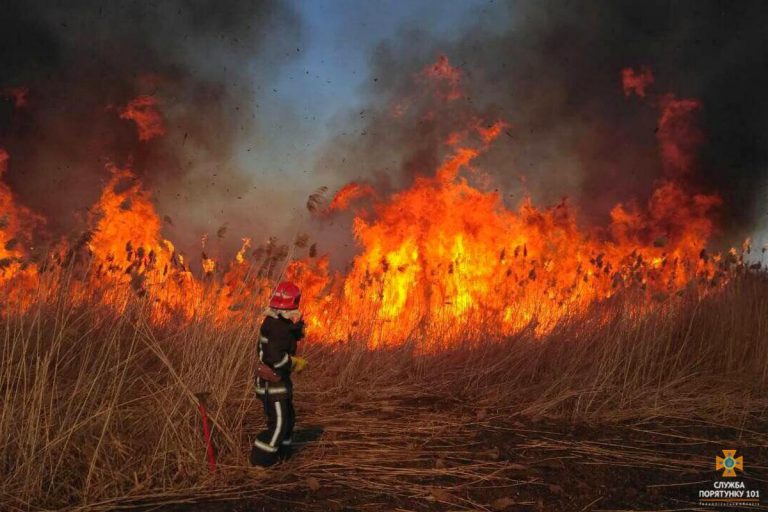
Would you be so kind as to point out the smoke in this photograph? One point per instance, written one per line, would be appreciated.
(553, 71)
(199, 70)
(172, 89)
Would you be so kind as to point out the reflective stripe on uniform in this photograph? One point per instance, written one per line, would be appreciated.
(267, 387)
(264, 446)
(278, 425)
(286, 358)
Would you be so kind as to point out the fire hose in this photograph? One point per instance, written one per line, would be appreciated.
(201, 400)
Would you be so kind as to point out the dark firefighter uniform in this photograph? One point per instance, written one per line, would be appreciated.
(277, 343)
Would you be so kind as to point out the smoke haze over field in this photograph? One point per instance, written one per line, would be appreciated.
(207, 68)
(263, 102)
(554, 74)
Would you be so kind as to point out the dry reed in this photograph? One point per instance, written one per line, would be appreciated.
(97, 410)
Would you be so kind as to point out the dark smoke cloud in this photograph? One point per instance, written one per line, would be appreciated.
(208, 63)
(554, 74)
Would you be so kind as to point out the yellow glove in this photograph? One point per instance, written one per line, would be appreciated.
(298, 363)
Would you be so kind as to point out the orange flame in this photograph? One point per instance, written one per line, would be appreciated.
(439, 261)
(17, 274)
(443, 254)
(349, 193)
(127, 227)
(143, 111)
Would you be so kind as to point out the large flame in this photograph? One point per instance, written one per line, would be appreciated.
(444, 257)
(439, 260)
(18, 275)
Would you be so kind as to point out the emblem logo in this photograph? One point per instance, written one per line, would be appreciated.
(729, 463)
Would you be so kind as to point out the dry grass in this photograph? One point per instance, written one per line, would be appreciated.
(98, 411)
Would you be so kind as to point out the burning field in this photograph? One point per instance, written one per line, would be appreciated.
(484, 330)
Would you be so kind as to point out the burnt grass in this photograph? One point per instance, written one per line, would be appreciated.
(539, 464)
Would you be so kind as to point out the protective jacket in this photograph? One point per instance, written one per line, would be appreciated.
(278, 338)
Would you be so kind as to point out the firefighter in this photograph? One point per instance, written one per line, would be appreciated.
(280, 331)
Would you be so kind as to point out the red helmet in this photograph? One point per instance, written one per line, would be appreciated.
(286, 296)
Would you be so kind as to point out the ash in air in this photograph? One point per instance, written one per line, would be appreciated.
(192, 97)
